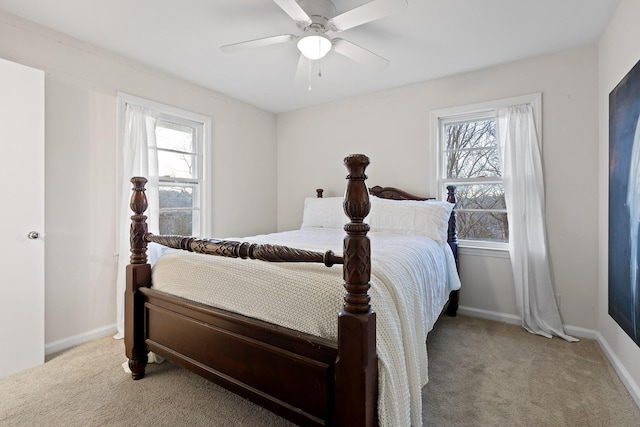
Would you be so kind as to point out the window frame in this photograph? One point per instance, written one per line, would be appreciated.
(202, 132)
(462, 113)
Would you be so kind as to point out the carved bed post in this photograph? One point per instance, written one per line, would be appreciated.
(452, 239)
(356, 366)
(138, 275)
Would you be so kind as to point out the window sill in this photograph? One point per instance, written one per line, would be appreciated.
(495, 252)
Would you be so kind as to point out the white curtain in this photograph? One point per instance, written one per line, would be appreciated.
(524, 195)
(139, 158)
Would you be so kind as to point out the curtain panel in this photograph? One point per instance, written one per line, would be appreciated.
(520, 155)
(139, 158)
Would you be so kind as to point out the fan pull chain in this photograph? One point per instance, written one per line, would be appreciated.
(319, 60)
(310, 72)
(309, 76)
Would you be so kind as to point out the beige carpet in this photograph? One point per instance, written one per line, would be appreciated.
(496, 375)
(501, 375)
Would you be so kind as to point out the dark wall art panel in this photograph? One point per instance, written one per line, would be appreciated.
(624, 203)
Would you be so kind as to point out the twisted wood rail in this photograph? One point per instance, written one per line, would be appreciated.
(228, 248)
(244, 250)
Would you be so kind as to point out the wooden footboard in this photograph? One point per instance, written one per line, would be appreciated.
(307, 379)
(287, 372)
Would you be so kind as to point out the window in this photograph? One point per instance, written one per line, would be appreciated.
(471, 162)
(182, 166)
(180, 177)
(469, 158)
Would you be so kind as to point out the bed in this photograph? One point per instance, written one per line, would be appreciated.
(310, 371)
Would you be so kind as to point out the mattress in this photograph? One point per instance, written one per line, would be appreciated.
(411, 278)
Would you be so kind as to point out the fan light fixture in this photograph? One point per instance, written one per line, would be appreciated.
(314, 46)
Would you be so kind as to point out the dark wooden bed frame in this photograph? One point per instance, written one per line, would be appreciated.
(304, 378)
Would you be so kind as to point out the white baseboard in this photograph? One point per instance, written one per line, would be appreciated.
(625, 377)
(516, 320)
(74, 340)
(489, 315)
(579, 332)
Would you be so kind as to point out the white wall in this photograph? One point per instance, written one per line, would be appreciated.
(619, 51)
(393, 129)
(80, 161)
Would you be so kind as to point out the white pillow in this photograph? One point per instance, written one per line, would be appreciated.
(428, 218)
(326, 212)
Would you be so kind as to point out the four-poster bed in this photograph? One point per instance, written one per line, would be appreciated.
(309, 377)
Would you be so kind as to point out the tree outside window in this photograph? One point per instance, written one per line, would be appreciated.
(470, 161)
(179, 180)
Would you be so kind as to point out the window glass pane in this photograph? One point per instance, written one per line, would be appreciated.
(486, 226)
(473, 163)
(176, 197)
(480, 196)
(471, 134)
(174, 136)
(176, 222)
(176, 165)
(472, 151)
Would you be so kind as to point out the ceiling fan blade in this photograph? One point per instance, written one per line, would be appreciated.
(293, 9)
(266, 41)
(359, 54)
(368, 12)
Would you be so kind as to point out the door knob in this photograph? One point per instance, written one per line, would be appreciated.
(33, 235)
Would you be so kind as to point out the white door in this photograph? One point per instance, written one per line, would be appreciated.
(21, 215)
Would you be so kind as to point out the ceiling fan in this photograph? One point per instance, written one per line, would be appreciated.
(318, 17)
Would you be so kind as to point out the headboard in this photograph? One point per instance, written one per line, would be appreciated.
(452, 233)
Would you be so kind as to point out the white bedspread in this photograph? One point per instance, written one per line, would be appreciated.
(411, 279)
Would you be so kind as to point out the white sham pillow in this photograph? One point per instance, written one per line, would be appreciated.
(325, 212)
(429, 218)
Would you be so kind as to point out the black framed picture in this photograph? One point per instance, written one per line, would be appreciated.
(624, 203)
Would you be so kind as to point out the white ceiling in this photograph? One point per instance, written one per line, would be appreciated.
(426, 40)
